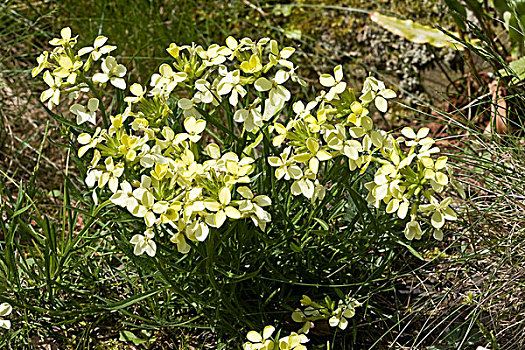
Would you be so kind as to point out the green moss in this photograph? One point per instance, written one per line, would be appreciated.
(341, 25)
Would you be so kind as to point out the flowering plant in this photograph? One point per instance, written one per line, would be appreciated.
(264, 341)
(182, 155)
(336, 314)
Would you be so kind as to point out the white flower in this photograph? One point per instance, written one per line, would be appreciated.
(278, 93)
(319, 192)
(215, 54)
(165, 82)
(434, 171)
(282, 132)
(43, 63)
(342, 314)
(98, 49)
(145, 205)
(138, 93)
(92, 177)
(314, 156)
(234, 46)
(258, 341)
(304, 185)
(89, 141)
(65, 39)
(204, 93)
(442, 211)
(251, 117)
(252, 206)
(303, 111)
(111, 175)
(197, 231)
(231, 83)
(85, 114)
(188, 106)
(53, 93)
(281, 56)
(112, 72)
(5, 310)
(144, 243)
(413, 230)
(182, 246)
(67, 68)
(286, 166)
(194, 128)
(271, 108)
(293, 342)
(222, 209)
(123, 196)
(335, 83)
(374, 89)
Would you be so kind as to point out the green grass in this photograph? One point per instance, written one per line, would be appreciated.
(480, 286)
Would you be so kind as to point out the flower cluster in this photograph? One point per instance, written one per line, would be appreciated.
(264, 341)
(171, 179)
(337, 126)
(337, 315)
(155, 158)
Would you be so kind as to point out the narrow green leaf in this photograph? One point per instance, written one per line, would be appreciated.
(411, 250)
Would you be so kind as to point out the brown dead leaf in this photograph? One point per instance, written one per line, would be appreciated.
(498, 109)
